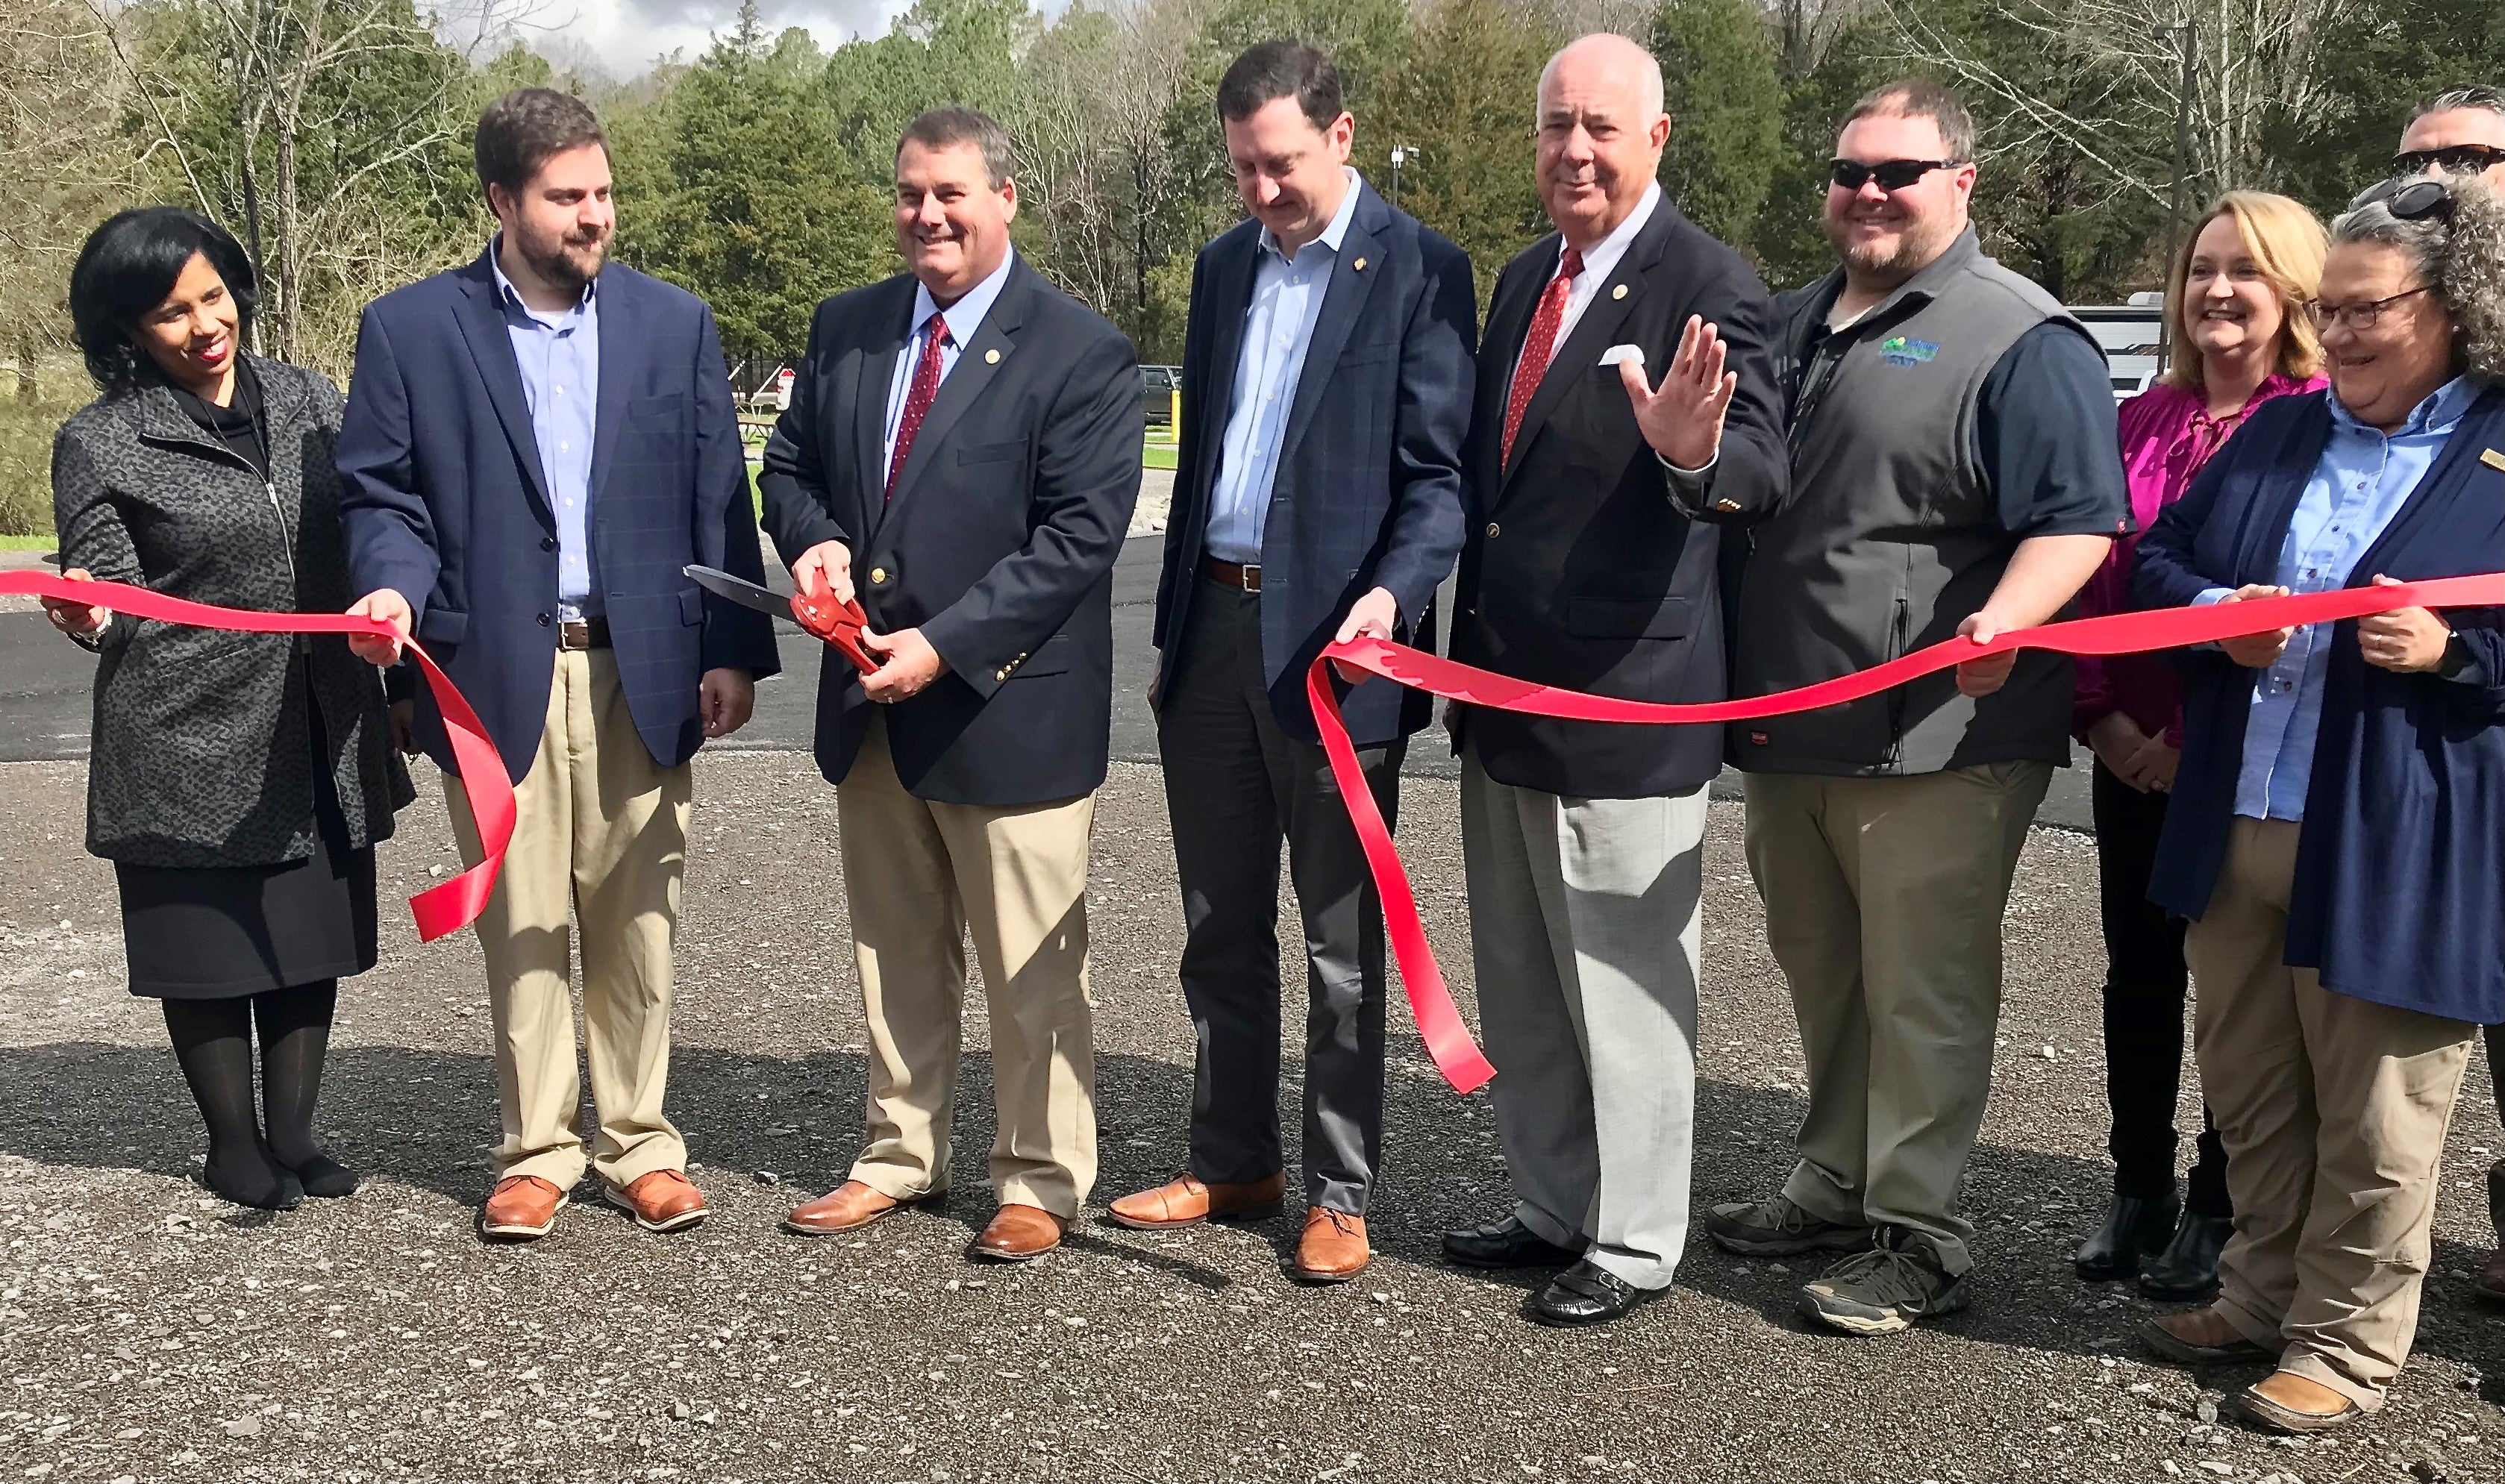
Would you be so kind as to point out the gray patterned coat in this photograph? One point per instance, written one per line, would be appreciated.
(202, 754)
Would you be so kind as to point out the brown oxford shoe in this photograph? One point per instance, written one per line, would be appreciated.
(663, 1200)
(1333, 1247)
(2491, 1279)
(1016, 1233)
(522, 1208)
(850, 1206)
(1183, 1201)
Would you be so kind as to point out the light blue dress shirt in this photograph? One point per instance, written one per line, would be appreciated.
(559, 356)
(1278, 328)
(962, 318)
(2362, 483)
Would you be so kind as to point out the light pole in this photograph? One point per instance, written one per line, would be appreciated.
(1401, 153)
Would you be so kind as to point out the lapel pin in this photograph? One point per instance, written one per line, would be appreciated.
(1620, 292)
(992, 357)
(2493, 459)
(1358, 265)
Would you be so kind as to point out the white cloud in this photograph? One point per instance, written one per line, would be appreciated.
(627, 36)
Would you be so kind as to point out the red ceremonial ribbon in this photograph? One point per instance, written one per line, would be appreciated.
(448, 906)
(1439, 1022)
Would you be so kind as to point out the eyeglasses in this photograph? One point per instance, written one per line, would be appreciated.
(2358, 317)
(1891, 174)
(2410, 202)
(2453, 159)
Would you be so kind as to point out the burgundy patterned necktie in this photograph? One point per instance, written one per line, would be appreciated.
(918, 395)
(1537, 348)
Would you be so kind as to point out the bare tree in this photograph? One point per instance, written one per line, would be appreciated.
(60, 165)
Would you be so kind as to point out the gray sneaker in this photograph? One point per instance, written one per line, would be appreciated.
(1779, 1228)
(1892, 1287)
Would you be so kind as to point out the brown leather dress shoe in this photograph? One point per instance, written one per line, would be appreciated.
(664, 1200)
(849, 1207)
(1017, 1233)
(1183, 1201)
(2284, 1402)
(522, 1208)
(1333, 1247)
(2491, 1282)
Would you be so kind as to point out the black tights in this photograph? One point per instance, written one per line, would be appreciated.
(264, 1157)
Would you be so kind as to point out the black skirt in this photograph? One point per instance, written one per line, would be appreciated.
(219, 932)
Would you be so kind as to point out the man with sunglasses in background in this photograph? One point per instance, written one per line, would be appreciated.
(2461, 132)
(1954, 472)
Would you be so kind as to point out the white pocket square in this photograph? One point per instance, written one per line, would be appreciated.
(1617, 353)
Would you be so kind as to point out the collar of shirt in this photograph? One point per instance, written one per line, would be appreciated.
(965, 315)
(1333, 234)
(2443, 408)
(512, 298)
(1603, 259)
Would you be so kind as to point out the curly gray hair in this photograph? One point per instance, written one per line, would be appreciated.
(2461, 254)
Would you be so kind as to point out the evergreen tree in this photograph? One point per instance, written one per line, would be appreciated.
(1726, 113)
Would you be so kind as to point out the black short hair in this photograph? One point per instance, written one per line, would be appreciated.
(521, 130)
(128, 267)
(1281, 69)
(944, 129)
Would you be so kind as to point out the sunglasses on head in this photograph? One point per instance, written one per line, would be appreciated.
(1891, 174)
(2453, 159)
(2411, 200)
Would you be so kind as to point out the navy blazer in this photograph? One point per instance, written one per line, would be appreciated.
(1368, 492)
(2403, 843)
(1580, 570)
(445, 503)
(998, 541)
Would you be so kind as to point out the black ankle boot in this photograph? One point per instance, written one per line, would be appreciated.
(2187, 1271)
(2134, 1228)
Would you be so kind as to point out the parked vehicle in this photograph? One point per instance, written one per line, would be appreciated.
(1157, 386)
(2130, 336)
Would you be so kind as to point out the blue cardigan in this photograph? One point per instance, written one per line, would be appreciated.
(2399, 894)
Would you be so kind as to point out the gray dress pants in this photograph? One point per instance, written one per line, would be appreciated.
(1584, 926)
(1236, 786)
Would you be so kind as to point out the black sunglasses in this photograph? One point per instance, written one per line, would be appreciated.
(2412, 200)
(1891, 174)
(2452, 158)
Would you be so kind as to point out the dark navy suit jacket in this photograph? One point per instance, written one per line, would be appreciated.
(1368, 492)
(998, 541)
(445, 503)
(2403, 845)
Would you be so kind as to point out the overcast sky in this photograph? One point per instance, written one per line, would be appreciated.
(626, 36)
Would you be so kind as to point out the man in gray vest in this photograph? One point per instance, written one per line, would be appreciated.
(1954, 472)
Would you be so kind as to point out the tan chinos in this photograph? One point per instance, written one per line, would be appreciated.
(2334, 1111)
(1883, 899)
(918, 874)
(600, 833)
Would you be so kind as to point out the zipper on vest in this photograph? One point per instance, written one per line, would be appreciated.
(1900, 633)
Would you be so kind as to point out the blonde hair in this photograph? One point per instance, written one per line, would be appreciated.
(2287, 244)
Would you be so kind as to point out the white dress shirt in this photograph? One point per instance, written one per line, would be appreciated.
(962, 318)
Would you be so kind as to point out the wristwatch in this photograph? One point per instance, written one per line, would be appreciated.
(2457, 658)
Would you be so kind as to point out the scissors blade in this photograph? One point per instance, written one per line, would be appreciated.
(742, 591)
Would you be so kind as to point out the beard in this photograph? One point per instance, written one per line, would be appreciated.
(1917, 244)
(571, 263)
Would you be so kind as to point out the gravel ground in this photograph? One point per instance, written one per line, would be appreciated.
(154, 1333)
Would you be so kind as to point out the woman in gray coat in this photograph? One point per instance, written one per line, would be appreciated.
(237, 782)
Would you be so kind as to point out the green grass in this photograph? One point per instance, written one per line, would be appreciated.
(1157, 455)
(42, 543)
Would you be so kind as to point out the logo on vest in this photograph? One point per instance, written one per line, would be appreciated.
(1904, 350)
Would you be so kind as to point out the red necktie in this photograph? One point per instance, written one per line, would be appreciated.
(918, 397)
(1537, 348)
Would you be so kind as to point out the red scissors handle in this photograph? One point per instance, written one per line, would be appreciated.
(837, 624)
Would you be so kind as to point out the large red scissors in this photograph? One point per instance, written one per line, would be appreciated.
(837, 624)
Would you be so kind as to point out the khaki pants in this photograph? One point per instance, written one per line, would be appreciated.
(2334, 1111)
(601, 828)
(917, 875)
(1883, 906)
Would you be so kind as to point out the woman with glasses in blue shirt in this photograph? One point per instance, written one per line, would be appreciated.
(2338, 822)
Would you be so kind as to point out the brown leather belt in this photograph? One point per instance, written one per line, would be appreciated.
(583, 634)
(1246, 579)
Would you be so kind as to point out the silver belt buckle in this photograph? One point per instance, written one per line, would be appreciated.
(1252, 577)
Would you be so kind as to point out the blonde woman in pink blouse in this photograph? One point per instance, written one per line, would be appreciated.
(2240, 339)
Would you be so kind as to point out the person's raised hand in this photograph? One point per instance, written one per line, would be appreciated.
(908, 664)
(2257, 651)
(1372, 616)
(1682, 417)
(826, 567)
(79, 620)
(391, 608)
(2406, 641)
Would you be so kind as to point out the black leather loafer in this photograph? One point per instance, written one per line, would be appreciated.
(1504, 1244)
(2134, 1228)
(2187, 1271)
(1586, 1295)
